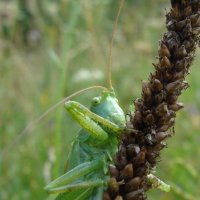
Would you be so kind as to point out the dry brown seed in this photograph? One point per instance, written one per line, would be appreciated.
(140, 158)
(175, 13)
(195, 19)
(187, 31)
(161, 109)
(113, 185)
(120, 161)
(135, 195)
(113, 171)
(187, 11)
(133, 150)
(137, 120)
(163, 50)
(164, 119)
(168, 77)
(165, 63)
(161, 136)
(189, 43)
(171, 25)
(181, 24)
(180, 65)
(157, 85)
(169, 115)
(159, 146)
(138, 104)
(176, 107)
(145, 85)
(127, 172)
(149, 119)
(163, 128)
(152, 155)
(146, 91)
(171, 87)
(179, 75)
(172, 39)
(159, 97)
(172, 99)
(181, 52)
(133, 184)
(122, 150)
(142, 170)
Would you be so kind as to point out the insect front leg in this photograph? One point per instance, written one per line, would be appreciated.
(90, 121)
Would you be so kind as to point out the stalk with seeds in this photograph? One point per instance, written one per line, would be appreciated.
(155, 111)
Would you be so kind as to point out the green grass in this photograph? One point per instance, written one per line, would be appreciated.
(70, 52)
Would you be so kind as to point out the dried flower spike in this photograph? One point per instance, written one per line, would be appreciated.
(155, 111)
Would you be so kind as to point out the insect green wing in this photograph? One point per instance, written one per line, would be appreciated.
(92, 150)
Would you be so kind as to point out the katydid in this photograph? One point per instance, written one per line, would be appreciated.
(93, 149)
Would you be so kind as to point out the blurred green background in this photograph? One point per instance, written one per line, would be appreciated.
(52, 48)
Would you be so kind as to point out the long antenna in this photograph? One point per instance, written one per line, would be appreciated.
(111, 45)
(32, 124)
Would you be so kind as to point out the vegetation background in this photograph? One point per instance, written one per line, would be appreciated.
(52, 48)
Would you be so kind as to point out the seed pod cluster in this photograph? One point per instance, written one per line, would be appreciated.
(155, 112)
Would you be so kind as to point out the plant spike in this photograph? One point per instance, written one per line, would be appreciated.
(155, 111)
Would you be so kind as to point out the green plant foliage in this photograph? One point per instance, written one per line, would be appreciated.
(48, 50)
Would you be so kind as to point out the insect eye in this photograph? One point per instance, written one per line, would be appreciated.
(95, 100)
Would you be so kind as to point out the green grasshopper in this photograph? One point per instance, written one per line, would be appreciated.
(93, 149)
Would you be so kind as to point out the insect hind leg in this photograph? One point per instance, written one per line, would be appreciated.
(81, 184)
(81, 194)
(68, 180)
